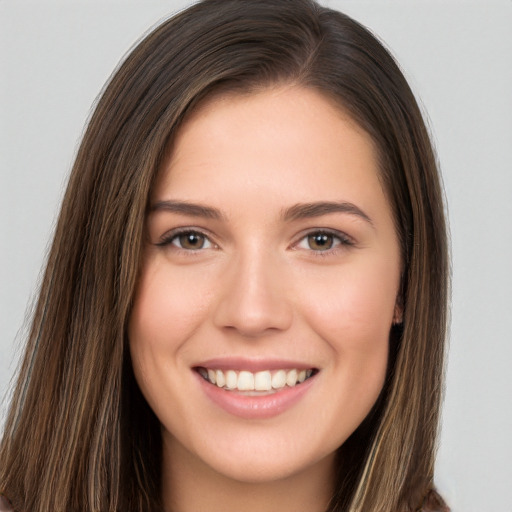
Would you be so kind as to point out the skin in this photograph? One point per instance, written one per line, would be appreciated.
(258, 288)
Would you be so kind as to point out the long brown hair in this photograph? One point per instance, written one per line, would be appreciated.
(79, 435)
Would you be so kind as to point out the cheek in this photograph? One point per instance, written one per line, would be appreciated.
(353, 314)
(166, 312)
(167, 308)
(353, 309)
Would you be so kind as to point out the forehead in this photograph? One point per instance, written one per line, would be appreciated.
(252, 157)
(281, 128)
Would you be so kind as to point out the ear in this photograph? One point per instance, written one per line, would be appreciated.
(398, 314)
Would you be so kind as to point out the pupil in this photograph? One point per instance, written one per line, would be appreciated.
(320, 241)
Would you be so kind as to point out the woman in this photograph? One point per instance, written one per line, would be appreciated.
(245, 301)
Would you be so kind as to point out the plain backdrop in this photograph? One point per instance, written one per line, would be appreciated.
(457, 55)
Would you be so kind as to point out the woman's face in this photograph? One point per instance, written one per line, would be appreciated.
(260, 328)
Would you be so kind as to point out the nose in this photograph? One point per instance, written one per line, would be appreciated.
(254, 299)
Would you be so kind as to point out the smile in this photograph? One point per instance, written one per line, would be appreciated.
(266, 380)
(259, 394)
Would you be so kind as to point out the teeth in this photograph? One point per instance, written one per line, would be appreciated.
(291, 378)
(231, 379)
(245, 381)
(260, 381)
(220, 380)
(279, 379)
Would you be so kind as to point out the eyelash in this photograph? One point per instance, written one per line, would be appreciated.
(339, 240)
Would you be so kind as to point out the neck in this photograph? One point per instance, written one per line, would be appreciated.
(189, 485)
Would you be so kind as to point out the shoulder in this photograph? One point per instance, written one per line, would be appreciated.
(5, 506)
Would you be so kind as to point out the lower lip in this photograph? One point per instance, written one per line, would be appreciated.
(256, 407)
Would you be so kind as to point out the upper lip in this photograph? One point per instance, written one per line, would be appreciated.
(252, 365)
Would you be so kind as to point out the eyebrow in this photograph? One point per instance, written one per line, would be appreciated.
(295, 212)
(192, 209)
(311, 210)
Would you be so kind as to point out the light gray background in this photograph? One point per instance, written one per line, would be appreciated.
(54, 59)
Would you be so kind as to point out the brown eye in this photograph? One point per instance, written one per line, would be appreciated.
(324, 241)
(190, 240)
(186, 240)
(320, 241)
